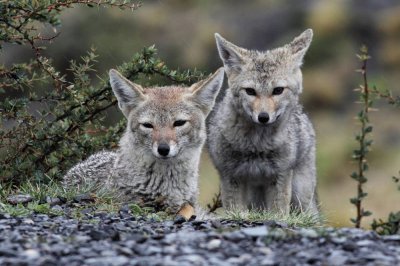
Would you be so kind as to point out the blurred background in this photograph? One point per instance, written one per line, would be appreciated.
(183, 31)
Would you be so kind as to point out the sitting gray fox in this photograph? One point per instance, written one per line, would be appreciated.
(159, 153)
(260, 141)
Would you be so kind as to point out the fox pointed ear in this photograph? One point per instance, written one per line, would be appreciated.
(205, 91)
(128, 93)
(299, 46)
(230, 54)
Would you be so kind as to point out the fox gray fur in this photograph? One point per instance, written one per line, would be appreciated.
(259, 139)
(159, 153)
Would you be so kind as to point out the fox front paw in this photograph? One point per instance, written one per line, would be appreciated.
(185, 213)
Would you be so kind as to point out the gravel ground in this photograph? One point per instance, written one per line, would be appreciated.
(123, 239)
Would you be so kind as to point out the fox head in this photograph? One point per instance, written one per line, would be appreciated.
(166, 121)
(264, 85)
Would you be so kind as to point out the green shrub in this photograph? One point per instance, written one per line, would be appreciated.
(367, 96)
(42, 145)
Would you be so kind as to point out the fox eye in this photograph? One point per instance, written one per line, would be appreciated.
(179, 123)
(250, 91)
(147, 125)
(277, 90)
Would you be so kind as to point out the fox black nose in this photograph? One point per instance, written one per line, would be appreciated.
(263, 117)
(163, 149)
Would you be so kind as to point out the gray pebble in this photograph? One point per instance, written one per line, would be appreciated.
(256, 231)
(19, 199)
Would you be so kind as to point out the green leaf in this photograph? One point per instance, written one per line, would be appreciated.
(366, 213)
(354, 175)
(368, 129)
(354, 201)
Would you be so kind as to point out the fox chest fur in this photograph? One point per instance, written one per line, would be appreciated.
(253, 152)
(136, 175)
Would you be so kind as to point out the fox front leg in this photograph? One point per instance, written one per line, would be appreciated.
(279, 194)
(233, 194)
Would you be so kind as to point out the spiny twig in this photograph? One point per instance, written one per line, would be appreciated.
(216, 202)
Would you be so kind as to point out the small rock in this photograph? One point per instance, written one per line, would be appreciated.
(308, 233)
(214, 244)
(390, 237)
(206, 226)
(125, 251)
(265, 250)
(4, 216)
(53, 201)
(256, 231)
(349, 246)
(376, 256)
(179, 219)
(19, 199)
(198, 222)
(234, 236)
(268, 261)
(113, 261)
(98, 235)
(193, 259)
(243, 259)
(57, 208)
(278, 224)
(84, 198)
(8, 252)
(108, 253)
(62, 199)
(364, 243)
(31, 254)
(216, 224)
(86, 211)
(339, 240)
(337, 258)
(170, 249)
(27, 221)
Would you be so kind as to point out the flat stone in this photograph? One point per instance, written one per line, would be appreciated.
(4, 216)
(8, 252)
(364, 243)
(82, 198)
(27, 221)
(339, 240)
(308, 233)
(57, 208)
(265, 251)
(19, 199)
(214, 244)
(53, 201)
(392, 237)
(216, 224)
(255, 231)
(31, 254)
(112, 261)
(349, 246)
(337, 258)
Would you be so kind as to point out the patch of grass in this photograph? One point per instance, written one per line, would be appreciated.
(104, 199)
(150, 213)
(300, 219)
(17, 210)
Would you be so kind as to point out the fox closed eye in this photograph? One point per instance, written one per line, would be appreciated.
(278, 90)
(250, 91)
(147, 125)
(179, 123)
